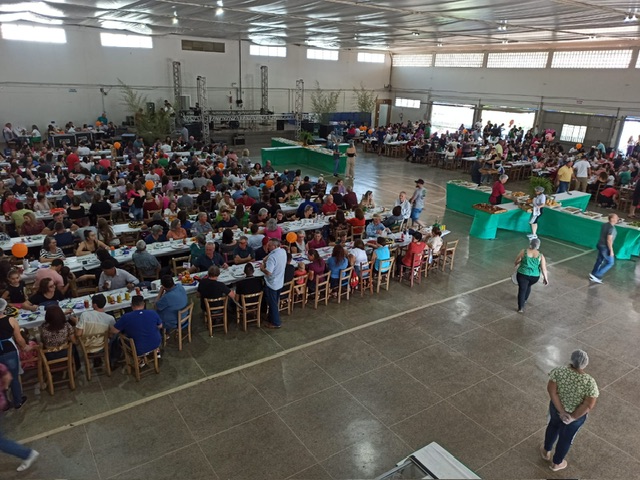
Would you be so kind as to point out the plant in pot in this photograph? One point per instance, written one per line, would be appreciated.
(305, 137)
(540, 182)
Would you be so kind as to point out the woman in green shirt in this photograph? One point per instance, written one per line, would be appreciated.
(573, 395)
(530, 263)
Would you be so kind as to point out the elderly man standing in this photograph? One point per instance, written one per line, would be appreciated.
(606, 257)
(404, 205)
(171, 299)
(273, 268)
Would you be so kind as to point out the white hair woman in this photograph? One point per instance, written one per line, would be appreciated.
(573, 395)
(530, 263)
(498, 190)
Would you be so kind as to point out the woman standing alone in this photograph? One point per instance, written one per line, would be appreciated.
(530, 264)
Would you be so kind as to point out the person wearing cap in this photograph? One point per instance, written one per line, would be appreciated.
(530, 263)
(573, 395)
(538, 203)
(565, 175)
(417, 203)
(113, 278)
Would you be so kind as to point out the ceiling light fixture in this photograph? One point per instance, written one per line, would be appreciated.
(416, 34)
(219, 11)
(438, 44)
(219, 3)
(175, 20)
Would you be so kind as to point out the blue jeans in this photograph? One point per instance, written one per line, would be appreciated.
(415, 213)
(603, 263)
(12, 448)
(273, 301)
(563, 187)
(564, 434)
(137, 213)
(12, 362)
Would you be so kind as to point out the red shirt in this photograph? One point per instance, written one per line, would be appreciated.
(329, 209)
(72, 160)
(105, 162)
(497, 191)
(9, 206)
(609, 192)
(413, 248)
(245, 201)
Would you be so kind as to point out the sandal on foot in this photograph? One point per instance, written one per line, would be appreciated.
(558, 467)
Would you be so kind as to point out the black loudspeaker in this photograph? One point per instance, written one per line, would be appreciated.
(66, 139)
(234, 124)
(324, 131)
(194, 129)
(280, 124)
(151, 108)
(308, 127)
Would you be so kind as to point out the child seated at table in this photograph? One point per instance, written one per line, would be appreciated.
(15, 293)
(300, 272)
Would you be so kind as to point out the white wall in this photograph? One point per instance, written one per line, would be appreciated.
(36, 78)
(610, 92)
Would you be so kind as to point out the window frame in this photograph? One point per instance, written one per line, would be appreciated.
(322, 54)
(370, 57)
(256, 50)
(573, 136)
(32, 33)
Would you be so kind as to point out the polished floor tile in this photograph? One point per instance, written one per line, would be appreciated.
(219, 404)
(262, 448)
(391, 394)
(331, 421)
(513, 464)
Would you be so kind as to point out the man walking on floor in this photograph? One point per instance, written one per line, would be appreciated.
(417, 203)
(606, 256)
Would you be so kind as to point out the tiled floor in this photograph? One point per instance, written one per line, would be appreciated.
(347, 391)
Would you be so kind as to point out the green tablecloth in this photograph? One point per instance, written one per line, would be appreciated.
(283, 154)
(461, 199)
(485, 225)
(586, 232)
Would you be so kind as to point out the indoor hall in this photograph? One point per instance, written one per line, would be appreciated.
(346, 391)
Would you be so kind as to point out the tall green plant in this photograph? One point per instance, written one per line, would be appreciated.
(365, 100)
(148, 125)
(544, 182)
(324, 103)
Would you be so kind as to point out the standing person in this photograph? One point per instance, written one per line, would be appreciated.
(530, 263)
(582, 170)
(27, 455)
(351, 161)
(538, 204)
(606, 257)
(635, 201)
(565, 175)
(498, 190)
(336, 160)
(10, 340)
(273, 268)
(417, 203)
(573, 395)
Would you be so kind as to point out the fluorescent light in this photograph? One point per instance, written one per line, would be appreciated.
(219, 11)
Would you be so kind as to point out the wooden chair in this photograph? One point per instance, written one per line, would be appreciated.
(177, 264)
(286, 298)
(365, 274)
(384, 274)
(300, 291)
(448, 255)
(183, 329)
(102, 354)
(47, 367)
(216, 309)
(625, 199)
(429, 262)
(69, 250)
(322, 290)
(133, 360)
(344, 289)
(148, 278)
(414, 273)
(355, 233)
(249, 309)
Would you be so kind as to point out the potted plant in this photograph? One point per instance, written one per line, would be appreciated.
(306, 138)
(540, 182)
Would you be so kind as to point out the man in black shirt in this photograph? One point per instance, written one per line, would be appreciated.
(211, 288)
(20, 187)
(281, 195)
(59, 218)
(250, 284)
(227, 221)
(305, 187)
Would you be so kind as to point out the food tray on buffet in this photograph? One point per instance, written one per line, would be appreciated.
(487, 207)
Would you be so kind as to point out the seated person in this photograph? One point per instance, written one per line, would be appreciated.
(171, 299)
(210, 258)
(94, 322)
(243, 253)
(211, 288)
(156, 235)
(14, 293)
(375, 228)
(227, 221)
(113, 278)
(380, 253)
(249, 284)
(255, 239)
(46, 296)
(141, 325)
(415, 248)
(62, 236)
(395, 218)
(146, 264)
(317, 241)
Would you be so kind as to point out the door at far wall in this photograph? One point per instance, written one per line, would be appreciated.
(383, 112)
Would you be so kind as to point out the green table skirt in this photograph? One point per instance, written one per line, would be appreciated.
(304, 157)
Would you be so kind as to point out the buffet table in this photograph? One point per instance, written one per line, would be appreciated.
(284, 153)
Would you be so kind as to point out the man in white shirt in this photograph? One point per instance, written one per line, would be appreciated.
(94, 322)
(404, 204)
(273, 268)
(583, 171)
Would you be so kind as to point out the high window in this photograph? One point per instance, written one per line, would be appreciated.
(371, 57)
(517, 60)
(473, 60)
(125, 41)
(318, 54)
(262, 51)
(32, 33)
(573, 133)
(412, 60)
(407, 102)
(592, 59)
